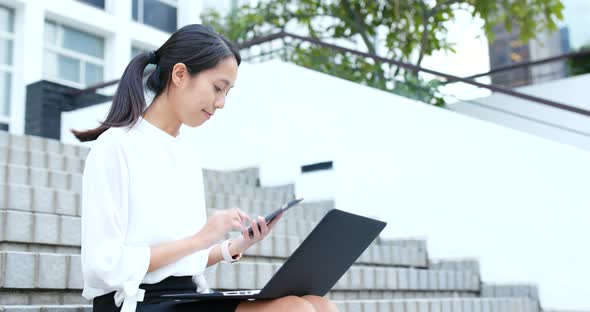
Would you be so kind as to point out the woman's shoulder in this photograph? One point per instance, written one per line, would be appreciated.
(113, 136)
(110, 142)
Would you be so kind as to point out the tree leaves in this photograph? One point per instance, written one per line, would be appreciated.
(581, 64)
(406, 30)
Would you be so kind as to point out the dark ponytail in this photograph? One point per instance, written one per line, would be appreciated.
(198, 47)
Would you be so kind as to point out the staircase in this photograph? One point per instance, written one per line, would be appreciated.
(40, 183)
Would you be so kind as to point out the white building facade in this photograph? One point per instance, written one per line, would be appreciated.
(77, 43)
(514, 200)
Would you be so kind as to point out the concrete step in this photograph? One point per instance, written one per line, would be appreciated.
(40, 228)
(308, 211)
(39, 144)
(509, 290)
(52, 297)
(415, 242)
(440, 305)
(48, 202)
(46, 308)
(233, 188)
(26, 297)
(391, 305)
(33, 196)
(50, 147)
(59, 228)
(48, 199)
(39, 199)
(25, 270)
(62, 202)
(455, 264)
(246, 191)
(59, 180)
(42, 248)
(70, 160)
(244, 176)
(63, 180)
(43, 232)
(42, 160)
(386, 294)
(245, 275)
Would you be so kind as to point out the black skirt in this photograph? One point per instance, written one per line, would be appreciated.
(106, 302)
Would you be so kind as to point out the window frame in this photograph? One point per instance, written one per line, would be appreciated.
(4, 68)
(140, 12)
(103, 8)
(79, 56)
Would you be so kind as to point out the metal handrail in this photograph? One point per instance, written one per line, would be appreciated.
(467, 80)
(530, 63)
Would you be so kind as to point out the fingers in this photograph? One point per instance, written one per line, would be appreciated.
(242, 215)
(255, 230)
(276, 219)
(263, 226)
(237, 225)
(238, 216)
(259, 227)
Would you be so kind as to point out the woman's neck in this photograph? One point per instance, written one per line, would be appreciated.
(161, 114)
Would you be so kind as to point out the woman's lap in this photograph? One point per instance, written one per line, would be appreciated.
(171, 306)
(152, 303)
(189, 306)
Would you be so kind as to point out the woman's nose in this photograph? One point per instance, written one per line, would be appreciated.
(220, 103)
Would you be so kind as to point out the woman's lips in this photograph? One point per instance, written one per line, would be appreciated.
(207, 114)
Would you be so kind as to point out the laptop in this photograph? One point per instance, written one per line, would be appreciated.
(316, 265)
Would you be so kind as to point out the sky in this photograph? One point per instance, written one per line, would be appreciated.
(471, 44)
(577, 18)
(472, 55)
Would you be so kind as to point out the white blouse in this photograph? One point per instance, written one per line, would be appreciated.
(141, 186)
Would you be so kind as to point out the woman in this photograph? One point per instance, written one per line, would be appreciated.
(144, 224)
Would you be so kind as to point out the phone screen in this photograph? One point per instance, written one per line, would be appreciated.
(269, 218)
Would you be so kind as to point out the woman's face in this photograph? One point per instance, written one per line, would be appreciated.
(197, 98)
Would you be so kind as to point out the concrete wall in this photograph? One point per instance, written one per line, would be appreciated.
(472, 188)
(114, 24)
(543, 121)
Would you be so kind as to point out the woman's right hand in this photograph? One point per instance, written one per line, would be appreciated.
(222, 222)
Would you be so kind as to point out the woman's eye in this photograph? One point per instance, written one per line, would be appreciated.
(218, 89)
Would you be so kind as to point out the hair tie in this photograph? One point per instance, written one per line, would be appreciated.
(156, 77)
(153, 58)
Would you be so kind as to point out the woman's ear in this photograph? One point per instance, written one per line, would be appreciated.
(179, 74)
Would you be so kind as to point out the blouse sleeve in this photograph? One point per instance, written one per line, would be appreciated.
(108, 263)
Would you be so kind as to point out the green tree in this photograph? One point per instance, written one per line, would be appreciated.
(405, 30)
(580, 65)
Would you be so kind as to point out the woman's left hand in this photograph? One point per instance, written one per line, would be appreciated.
(240, 244)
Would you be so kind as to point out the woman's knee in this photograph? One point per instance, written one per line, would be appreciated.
(294, 303)
(320, 303)
(286, 304)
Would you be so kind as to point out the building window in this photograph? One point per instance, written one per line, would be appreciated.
(327, 165)
(95, 3)
(6, 61)
(160, 14)
(135, 51)
(72, 57)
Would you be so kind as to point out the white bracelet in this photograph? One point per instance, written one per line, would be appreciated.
(225, 252)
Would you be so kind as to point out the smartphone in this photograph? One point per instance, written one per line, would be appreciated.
(275, 213)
